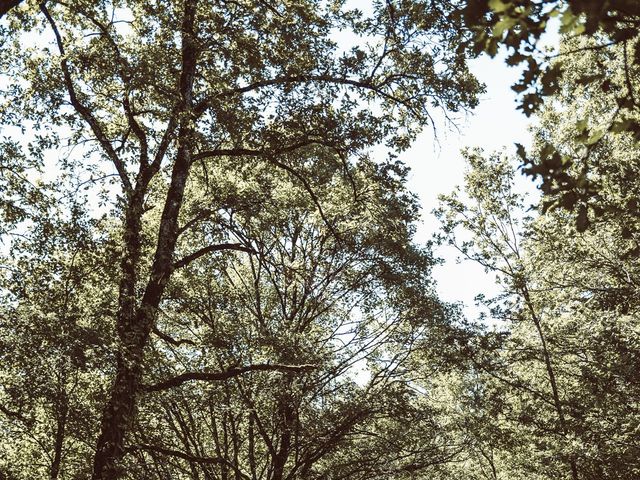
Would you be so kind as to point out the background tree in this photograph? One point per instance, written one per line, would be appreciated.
(57, 295)
(562, 349)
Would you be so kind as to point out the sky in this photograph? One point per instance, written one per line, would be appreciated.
(437, 167)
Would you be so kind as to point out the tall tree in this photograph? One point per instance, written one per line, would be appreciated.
(349, 312)
(153, 88)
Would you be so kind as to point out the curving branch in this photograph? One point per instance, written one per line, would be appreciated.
(226, 374)
(83, 110)
(170, 340)
(211, 248)
(122, 67)
(17, 415)
(253, 152)
(379, 90)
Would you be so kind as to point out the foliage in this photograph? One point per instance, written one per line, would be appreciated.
(204, 274)
(237, 255)
(554, 375)
(599, 57)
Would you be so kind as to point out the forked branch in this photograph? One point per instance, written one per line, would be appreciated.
(83, 110)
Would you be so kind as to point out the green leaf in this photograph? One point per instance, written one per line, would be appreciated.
(579, 28)
(621, 125)
(504, 24)
(596, 136)
(581, 125)
(498, 6)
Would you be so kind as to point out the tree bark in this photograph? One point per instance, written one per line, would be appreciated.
(287, 414)
(135, 322)
(6, 5)
(119, 409)
(63, 411)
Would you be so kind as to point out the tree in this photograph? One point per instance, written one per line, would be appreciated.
(336, 306)
(57, 293)
(555, 372)
(254, 359)
(134, 91)
(493, 220)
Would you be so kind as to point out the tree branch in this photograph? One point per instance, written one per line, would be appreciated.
(211, 248)
(83, 110)
(169, 339)
(184, 456)
(364, 84)
(191, 458)
(125, 77)
(224, 375)
(252, 152)
(7, 5)
(16, 415)
(200, 216)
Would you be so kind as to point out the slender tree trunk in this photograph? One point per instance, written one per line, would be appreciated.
(551, 375)
(252, 449)
(287, 420)
(63, 410)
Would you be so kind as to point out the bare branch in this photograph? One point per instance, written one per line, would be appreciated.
(191, 458)
(200, 216)
(252, 152)
(125, 77)
(177, 453)
(224, 375)
(211, 248)
(307, 187)
(166, 140)
(17, 415)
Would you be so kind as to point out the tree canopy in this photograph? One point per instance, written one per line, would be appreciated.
(209, 271)
(226, 146)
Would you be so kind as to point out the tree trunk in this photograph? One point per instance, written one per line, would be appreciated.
(287, 414)
(63, 410)
(119, 409)
(551, 375)
(136, 322)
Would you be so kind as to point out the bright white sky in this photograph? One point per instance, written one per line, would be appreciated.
(494, 125)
